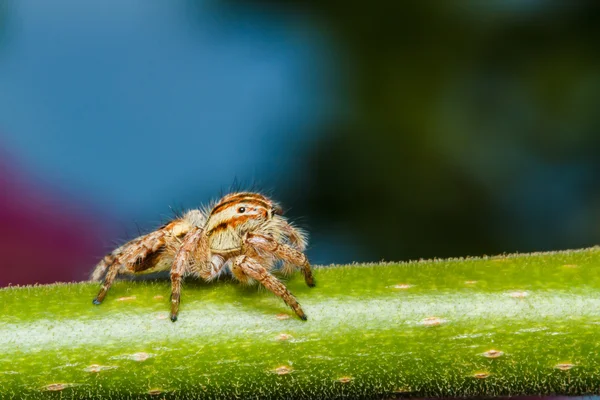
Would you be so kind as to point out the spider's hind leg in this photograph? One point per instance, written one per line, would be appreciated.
(110, 276)
(103, 266)
(138, 255)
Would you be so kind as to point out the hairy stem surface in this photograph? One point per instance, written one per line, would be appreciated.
(515, 325)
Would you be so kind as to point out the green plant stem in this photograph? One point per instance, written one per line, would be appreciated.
(515, 325)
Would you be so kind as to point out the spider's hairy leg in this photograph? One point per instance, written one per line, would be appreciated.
(210, 270)
(297, 239)
(282, 251)
(137, 255)
(104, 265)
(296, 236)
(110, 276)
(194, 247)
(259, 273)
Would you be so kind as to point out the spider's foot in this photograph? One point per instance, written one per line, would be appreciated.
(310, 281)
(300, 314)
(97, 302)
(173, 317)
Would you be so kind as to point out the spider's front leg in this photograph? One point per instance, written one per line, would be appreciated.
(283, 252)
(254, 270)
(194, 247)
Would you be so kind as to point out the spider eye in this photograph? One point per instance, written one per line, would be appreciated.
(242, 210)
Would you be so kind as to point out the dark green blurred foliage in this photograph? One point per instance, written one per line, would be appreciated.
(462, 128)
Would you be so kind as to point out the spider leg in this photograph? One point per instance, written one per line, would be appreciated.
(135, 256)
(193, 247)
(297, 240)
(212, 269)
(296, 236)
(103, 265)
(257, 272)
(282, 251)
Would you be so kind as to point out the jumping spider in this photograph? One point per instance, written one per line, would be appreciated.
(244, 232)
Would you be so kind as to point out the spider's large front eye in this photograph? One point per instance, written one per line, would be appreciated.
(242, 210)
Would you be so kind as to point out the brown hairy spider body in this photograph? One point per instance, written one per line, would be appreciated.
(243, 232)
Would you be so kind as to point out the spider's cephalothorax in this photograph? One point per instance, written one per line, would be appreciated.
(244, 232)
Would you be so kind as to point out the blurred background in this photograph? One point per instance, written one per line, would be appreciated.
(406, 130)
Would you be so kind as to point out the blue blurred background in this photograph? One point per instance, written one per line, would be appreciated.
(413, 130)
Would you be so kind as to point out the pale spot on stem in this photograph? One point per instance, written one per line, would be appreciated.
(128, 298)
(281, 317)
(481, 375)
(402, 286)
(283, 370)
(564, 366)
(158, 297)
(493, 353)
(97, 368)
(432, 321)
(139, 357)
(284, 336)
(344, 379)
(57, 387)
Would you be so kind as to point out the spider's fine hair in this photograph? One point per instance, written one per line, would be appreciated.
(244, 232)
